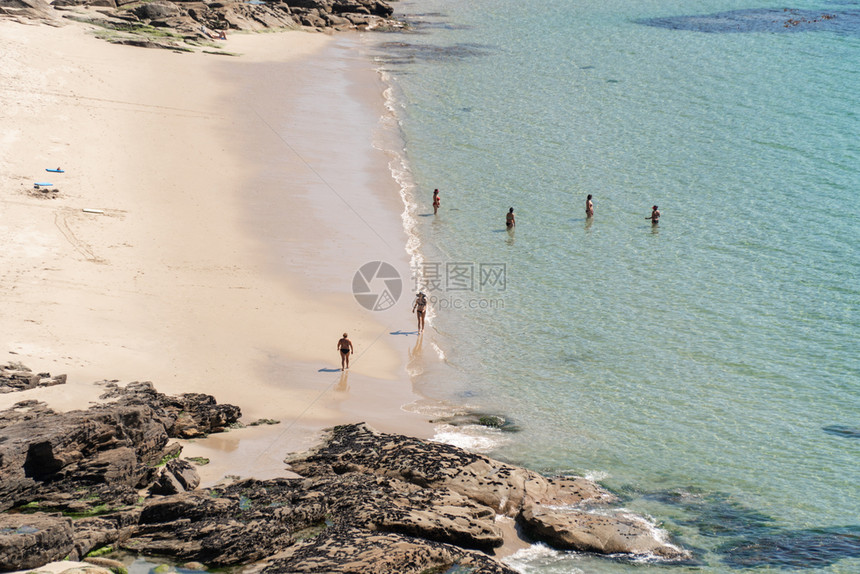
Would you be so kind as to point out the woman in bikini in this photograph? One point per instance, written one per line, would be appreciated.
(345, 346)
(420, 308)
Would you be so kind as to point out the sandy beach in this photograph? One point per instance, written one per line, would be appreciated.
(205, 232)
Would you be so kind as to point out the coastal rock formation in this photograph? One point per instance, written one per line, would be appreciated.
(198, 22)
(16, 377)
(505, 488)
(366, 501)
(568, 529)
(557, 511)
(108, 451)
(384, 552)
(31, 541)
(24, 10)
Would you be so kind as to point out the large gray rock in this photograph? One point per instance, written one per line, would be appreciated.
(157, 10)
(32, 540)
(176, 476)
(616, 533)
(28, 10)
(103, 453)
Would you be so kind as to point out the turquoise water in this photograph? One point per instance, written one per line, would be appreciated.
(697, 368)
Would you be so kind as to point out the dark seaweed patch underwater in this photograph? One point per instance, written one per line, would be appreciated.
(807, 548)
(752, 539)
(844, 22)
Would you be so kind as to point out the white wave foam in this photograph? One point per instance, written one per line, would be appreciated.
(436, 409)
(473, 438)
(538, 557)
(596, 475)
(439, 352)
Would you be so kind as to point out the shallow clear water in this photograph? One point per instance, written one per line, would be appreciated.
(696, 367)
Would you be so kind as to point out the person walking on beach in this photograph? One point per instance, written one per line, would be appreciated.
(345, 346)
(589, 207)
(435, 201)
(420, 308)
(510, 222)
(655, 216)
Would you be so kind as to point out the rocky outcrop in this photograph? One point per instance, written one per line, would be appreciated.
(16, 378)
(567, 513)
(383, 553)
(24, 10)
(365, 502)
(196, 21)
(32, 541)
(606, 533)
(108, 451)
(504, 488)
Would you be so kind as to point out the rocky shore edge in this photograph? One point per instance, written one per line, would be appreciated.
(186, 25)
(85, 484)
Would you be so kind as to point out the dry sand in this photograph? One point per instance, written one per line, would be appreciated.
(235, 198)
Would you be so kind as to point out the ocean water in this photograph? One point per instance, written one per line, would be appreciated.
(706, 369)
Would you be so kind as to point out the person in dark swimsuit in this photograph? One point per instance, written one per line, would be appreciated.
(436, 201)
(420, 308)
(345, 346)
(589, 207)
(655, 216)
(510, 222)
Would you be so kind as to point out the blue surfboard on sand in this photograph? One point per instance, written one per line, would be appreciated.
(41, 184)
(58, 170)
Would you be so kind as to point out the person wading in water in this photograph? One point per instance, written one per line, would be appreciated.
(420, 308)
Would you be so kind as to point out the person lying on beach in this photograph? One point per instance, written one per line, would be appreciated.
(510, 222)
(346, 349)
(222, 34)
(655, 216)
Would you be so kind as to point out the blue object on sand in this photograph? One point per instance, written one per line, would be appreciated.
(58, 170)
(40, 184)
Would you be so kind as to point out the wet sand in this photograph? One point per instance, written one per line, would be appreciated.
(235, 199)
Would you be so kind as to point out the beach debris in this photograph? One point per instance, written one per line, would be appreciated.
(90, 210)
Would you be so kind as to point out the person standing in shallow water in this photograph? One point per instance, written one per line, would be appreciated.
(420, 308)
(436, 201)
(655, 216)
(345, 347)
(589, 207)
(510, 222)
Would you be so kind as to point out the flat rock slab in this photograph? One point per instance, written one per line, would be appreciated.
(357, 551)
(32, 540)
(617, 533)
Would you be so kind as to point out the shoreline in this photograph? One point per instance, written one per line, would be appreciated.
(190, 276)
